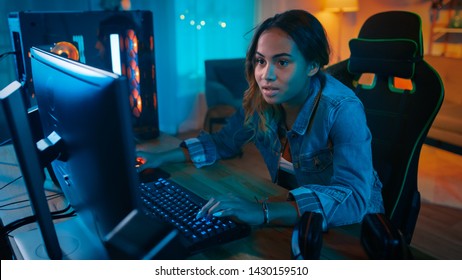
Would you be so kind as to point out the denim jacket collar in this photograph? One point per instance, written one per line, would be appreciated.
(301, 123)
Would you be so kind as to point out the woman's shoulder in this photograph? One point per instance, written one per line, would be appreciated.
(335, 91)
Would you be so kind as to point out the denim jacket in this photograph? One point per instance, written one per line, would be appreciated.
(332, 160)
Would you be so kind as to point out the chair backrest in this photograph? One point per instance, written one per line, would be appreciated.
(401, 94)
(225, 81)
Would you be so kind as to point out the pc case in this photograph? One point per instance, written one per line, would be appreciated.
(117, 41)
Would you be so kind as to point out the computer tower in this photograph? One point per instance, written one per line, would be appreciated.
(117, 41)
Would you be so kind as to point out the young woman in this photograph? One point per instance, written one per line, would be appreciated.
(310, 129)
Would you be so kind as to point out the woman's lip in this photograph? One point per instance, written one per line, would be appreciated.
(269, 88)
(269, 91)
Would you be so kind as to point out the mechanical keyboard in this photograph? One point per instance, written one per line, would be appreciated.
(174, 204)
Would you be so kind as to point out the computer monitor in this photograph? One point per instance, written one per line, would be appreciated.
(12, 103)
(87, 109)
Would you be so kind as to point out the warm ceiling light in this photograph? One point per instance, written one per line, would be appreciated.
(341, 6)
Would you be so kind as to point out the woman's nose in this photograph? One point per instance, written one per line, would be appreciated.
(269, 73)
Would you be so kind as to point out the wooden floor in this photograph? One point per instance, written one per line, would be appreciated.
(439, 226)
(438, 231)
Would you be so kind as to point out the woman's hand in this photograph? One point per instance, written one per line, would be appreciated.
(148, 160)
(282, 213)
(245, 211)
(153, 160)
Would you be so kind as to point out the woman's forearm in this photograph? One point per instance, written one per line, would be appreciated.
(173, 156)
(282, 213)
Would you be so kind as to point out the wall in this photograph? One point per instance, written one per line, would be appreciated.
(201, 30)
(350, 24)
(341, 29)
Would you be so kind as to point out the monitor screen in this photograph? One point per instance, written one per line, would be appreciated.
(87, 107)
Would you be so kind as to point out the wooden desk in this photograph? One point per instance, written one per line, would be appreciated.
(223, 177)
(13, 190)
(234, 176)
(14, 199)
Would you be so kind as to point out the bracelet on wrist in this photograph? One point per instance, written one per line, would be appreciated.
(264, 207)
(265, 212)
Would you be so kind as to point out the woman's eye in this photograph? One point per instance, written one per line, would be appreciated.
(260, 61)
(283, 62)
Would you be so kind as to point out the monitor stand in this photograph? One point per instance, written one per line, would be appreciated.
(76, 242)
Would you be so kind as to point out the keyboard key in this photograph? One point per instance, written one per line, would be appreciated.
(178, 206)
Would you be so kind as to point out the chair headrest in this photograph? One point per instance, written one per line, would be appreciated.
(393, 57)
(389, 43)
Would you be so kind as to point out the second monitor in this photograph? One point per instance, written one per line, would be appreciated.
(87, 109)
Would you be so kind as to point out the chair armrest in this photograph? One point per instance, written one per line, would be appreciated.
(307, 237)
(382, 240)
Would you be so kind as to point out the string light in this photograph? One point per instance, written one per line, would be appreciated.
(222, 24)
(199, 24)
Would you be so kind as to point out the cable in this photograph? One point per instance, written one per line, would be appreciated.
(32, 217)
(6, 142)
(7, 53)
(9, 183)
(28, 220)
(4, 55)
(59, 214)
(49, 197)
